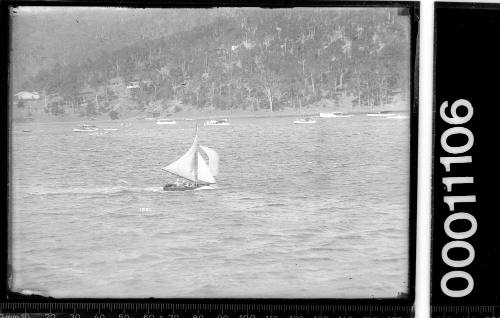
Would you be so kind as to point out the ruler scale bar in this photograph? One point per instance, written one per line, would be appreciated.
(235, 310)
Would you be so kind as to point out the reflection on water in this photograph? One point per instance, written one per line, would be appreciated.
(300, 210)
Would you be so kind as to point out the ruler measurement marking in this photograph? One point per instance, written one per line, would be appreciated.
(305, 310)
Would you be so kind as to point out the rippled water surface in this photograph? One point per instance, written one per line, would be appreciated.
(300, 210)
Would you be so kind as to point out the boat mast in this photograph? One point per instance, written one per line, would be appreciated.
(196, 159)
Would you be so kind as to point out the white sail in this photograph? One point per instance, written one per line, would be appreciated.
(185, 166)
(213, 160)
(204, 173)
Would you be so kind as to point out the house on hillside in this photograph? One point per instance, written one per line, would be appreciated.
(133, 85)
(27, 104)
(27, 95)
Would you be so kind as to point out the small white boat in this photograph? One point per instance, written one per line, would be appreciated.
(111, 129)
(150, 118)
(219, 122)
(86, 128)
(306, 120)
(381, 114)
(189, 119)
(334, 114)
(165, 122)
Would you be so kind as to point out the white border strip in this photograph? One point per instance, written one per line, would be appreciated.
(426, 80)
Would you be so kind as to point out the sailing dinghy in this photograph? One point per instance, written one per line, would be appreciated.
(192, 169)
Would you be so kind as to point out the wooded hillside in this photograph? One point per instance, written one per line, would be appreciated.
(244, 59)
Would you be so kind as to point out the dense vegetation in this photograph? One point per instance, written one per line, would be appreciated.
(248, 59)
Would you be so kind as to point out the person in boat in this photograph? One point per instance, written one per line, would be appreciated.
(178, 184)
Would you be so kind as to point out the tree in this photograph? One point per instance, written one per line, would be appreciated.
(91, 108)
(113, 114)
(253, 58)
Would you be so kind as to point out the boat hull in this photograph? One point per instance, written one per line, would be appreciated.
(173, 187)
(166, 122)
(304, 122)
(85, 130)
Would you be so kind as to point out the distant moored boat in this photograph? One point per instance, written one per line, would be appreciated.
(86, 128)
(165, 122)
(218, 122)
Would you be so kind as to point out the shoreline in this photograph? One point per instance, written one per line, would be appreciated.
(190, 116)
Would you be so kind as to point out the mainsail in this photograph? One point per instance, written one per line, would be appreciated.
(185, 166)
(193, 167)
(213, 160)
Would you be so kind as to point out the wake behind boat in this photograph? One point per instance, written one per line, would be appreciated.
(192, 170)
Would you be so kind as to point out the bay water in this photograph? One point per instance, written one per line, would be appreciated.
(299, 211)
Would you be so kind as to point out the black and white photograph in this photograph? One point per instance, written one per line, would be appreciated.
(210, 152)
